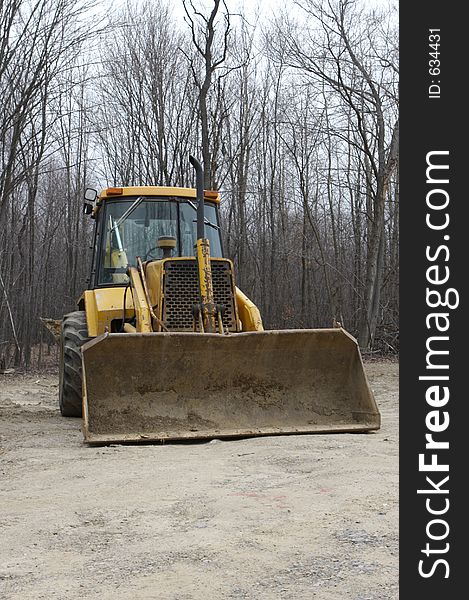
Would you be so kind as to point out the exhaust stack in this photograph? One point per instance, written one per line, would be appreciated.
(206, 310)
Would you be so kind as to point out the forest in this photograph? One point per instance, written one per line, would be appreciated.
(293, 112)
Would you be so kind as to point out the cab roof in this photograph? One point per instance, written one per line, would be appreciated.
(150, 190)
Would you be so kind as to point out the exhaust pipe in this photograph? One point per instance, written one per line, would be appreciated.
(199, 186)
(207, 307)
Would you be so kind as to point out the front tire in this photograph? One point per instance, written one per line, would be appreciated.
(74, 334)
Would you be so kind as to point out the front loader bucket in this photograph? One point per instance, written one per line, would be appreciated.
(177, 386)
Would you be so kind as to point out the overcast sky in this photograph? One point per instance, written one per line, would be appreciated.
(265, 9)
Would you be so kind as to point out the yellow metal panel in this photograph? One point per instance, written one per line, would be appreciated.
(91, 313)
(154, 274)
(102, 305)
(248, 313)
(149, 190)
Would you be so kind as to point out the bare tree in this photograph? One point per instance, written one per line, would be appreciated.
(347, 54)
(298, 128)
(203, 29)
(39, 42)
(146, 107)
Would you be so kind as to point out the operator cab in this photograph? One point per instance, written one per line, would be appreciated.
(149, 226)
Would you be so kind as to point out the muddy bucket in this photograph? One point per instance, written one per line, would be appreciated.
(179, 386)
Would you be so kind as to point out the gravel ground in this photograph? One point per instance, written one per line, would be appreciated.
(292, 517)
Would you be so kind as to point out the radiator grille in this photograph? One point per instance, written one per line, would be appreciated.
(181, 292)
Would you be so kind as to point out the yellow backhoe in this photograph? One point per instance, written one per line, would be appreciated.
(164, 346)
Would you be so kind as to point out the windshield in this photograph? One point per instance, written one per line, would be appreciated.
(132, 228)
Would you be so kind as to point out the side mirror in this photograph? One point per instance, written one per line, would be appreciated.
(90, 195)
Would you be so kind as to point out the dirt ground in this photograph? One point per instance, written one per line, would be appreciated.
(292, 517)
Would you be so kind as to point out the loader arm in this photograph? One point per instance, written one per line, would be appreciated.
(141, 307)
